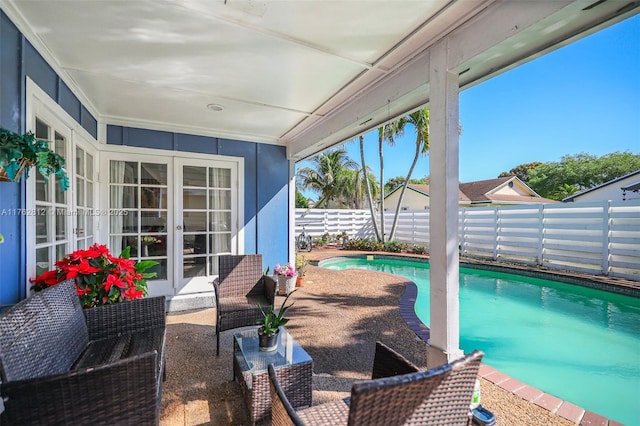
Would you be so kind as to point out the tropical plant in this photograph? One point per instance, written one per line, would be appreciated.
(19, 153)
(326, 176)
(101, 279)
(302, 202)
(301, 264)
(270, 321)
(420, 121)
(395, 246)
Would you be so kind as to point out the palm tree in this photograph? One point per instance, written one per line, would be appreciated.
(353, 188)
(387, 133)
(369, 194)
(326, 177)
(420, 121)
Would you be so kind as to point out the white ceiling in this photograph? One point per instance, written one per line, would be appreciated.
(300, 73)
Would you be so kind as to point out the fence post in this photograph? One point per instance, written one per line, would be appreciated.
(540, 233)
(463, 232)
(496, 227)
(606, 232)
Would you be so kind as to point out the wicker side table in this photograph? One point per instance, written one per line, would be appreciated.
(292, 364)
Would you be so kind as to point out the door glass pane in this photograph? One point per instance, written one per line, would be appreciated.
(80, 192)
(42, 226)
(160, 269)
(153, 174)
(220, 221)
(123, 197)
(194, 267)
(195, 222)
(220, 243)
(89, 193)
(60, 147)
(80, 161)
(43, 263)
(123, 221)
(194, 199)
(153, 221)
(220, 199)
(61, 224)
(153, 198)
(220, 178)
(90, 166)
(123, 172)
(194, 176)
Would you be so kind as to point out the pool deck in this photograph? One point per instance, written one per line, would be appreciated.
(565, 409)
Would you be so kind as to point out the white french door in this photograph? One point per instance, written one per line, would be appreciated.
(207, 220)
(138, 216)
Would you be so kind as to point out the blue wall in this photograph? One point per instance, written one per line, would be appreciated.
(266, 166)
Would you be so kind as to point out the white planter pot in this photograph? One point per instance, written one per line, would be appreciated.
(286, 284)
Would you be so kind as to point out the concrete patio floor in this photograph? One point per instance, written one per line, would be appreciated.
(337, 317)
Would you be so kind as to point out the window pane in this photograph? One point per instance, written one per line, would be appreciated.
(80, 162)
(194, 199)
(194, 176)
(42, 225)
(195, 222)
(89, 160)
(220, 221)
(220, 199)
(61, 224)
(61, 196)
(153, 221)
(160, 270)
(61, 251)
(80, 192)
(89, 199)
(42, 193)
(154, 245)
(213, 265)
(220, 178)
(42, 129)
(153, 174)
(123, 197)
(81, 218)
(123, 221)
(153, 198)
(123, 172)
(194, 267)
(43, 263)
(220, 243)
(120, 242)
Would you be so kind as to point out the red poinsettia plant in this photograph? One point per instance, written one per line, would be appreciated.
(101, 279)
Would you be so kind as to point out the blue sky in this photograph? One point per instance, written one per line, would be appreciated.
(584, 97)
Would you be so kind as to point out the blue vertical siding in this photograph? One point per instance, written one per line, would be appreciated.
(12, 225)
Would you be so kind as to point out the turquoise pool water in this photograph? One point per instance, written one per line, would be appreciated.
(579, 344)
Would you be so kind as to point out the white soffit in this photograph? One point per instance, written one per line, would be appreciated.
(307, 74)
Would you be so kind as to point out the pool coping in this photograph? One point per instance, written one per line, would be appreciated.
(564, 409)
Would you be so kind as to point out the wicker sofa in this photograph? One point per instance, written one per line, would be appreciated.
(60, 364)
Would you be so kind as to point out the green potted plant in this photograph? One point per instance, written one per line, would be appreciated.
(301, 266)
(18, 153)
(270, 325)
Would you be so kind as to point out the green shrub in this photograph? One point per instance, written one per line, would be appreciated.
(418, 249)
(395, 246)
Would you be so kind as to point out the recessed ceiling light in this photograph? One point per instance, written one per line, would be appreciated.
(215, 107)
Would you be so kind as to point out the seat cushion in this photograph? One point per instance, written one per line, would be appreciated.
(230, 304)
(113, 349)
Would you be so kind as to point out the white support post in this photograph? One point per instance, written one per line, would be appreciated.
(443, 221)
(292, 210)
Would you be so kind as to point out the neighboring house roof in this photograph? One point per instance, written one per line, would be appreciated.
(633, 187)
(486, 192)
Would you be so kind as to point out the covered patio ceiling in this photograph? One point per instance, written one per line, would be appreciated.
(305, 74)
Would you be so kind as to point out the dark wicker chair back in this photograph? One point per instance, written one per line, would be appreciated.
(52, 335)
(240, 275)
(439, 396)
(240, 287)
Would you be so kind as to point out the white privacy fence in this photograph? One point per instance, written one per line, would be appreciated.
(596, 238)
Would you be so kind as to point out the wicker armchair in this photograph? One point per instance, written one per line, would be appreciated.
(240, 286)
(440, 396)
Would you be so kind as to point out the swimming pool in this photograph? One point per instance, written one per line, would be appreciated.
(579, 344)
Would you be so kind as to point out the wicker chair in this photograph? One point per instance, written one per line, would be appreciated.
(240, 287)
(440, 396)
